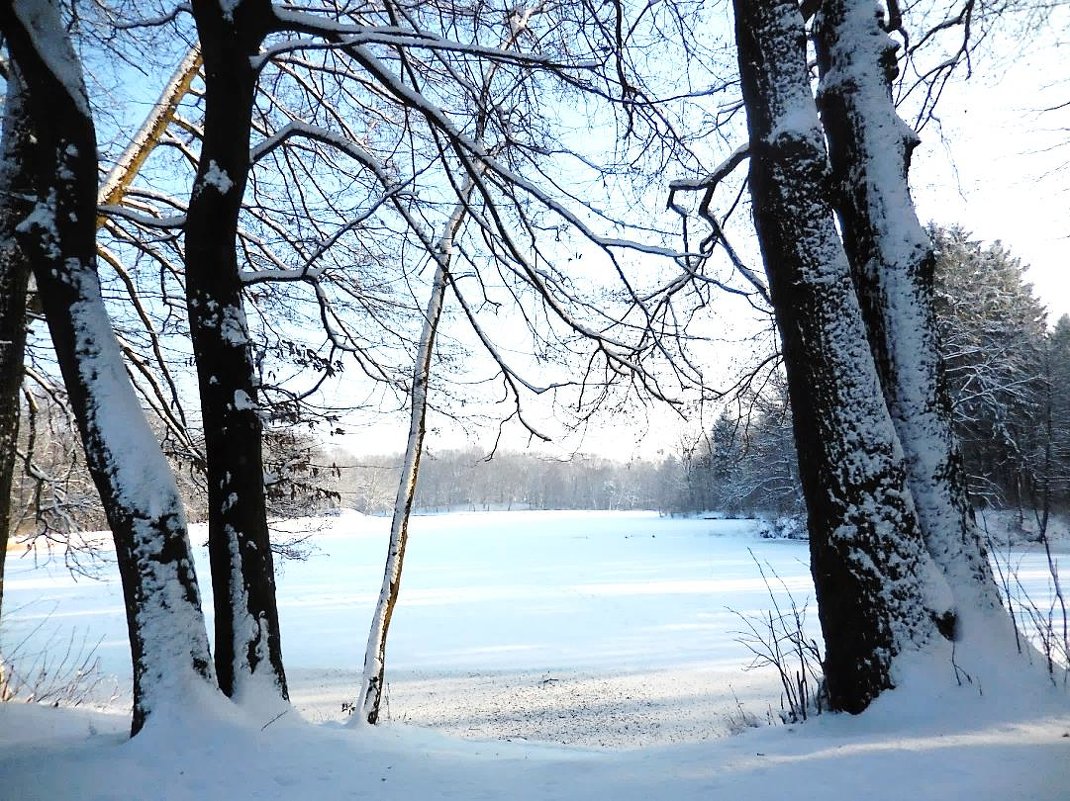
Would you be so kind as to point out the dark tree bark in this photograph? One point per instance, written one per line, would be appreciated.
(892, 264)
(16, 202)
(876, 587)
(168, 641)
(247, 638)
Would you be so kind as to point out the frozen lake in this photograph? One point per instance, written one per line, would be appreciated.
(483, 592)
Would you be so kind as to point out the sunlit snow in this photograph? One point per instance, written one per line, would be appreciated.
(605, 630)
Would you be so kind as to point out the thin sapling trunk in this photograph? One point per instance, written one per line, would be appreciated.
(371, 691)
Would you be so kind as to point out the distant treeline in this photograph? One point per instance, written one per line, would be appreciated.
(468, 480)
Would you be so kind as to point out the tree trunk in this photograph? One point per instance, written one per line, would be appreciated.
(137, 152)
(16, 191)
(371, 691)
(892, 264)
(876, 587)
(247, 642)
(168, 641)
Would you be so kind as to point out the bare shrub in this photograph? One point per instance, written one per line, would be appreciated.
(1043, 623)
(777, 639)
(60, 670)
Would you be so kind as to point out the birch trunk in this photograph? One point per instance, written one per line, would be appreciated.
(16, 190)
(371, 690)
(877, 589)
(247, 640)
(168, 640)
(892, 264)
(152, 129)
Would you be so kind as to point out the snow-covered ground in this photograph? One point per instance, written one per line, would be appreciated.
(578, 655)
(499, 591)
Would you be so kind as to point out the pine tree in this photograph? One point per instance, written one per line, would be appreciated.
(1058, 365)
(992, 338)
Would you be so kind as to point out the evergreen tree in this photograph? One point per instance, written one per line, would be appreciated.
(752, 464)
(1056, 478)
(992, 337)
